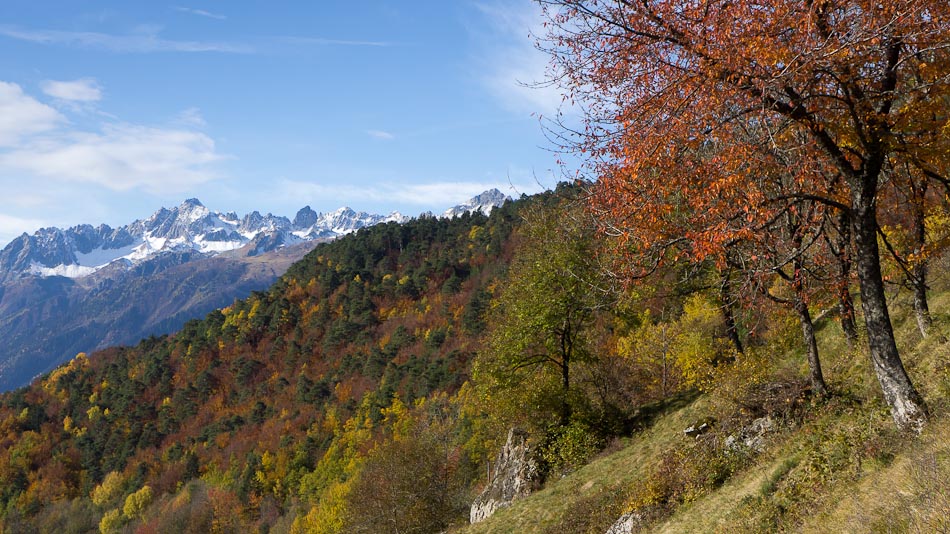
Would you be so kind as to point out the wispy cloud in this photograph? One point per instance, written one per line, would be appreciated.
(145, 40)
(199, 12)
(121, 157)
(511, 67)
(82, 90)
(381, 134)
(11, 227)
(22, 115)
(433, 195)
(190, 117)
(322, 41)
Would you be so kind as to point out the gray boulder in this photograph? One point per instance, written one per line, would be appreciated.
(753, 436)
(516, 475)
(627, 524)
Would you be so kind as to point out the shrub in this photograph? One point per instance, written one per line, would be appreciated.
(569, 447)
(594, 514)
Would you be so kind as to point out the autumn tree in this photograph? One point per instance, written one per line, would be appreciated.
(540, 326)
(783, 267)
(837, 236)
(843, 85)
(411, 481)
(914, 234)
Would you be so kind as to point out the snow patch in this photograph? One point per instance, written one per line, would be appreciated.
(69, 271)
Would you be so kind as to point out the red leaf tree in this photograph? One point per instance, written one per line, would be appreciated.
(686, 104)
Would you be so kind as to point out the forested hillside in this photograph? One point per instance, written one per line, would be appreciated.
(247, 418)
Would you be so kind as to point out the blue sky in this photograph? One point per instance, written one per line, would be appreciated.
(112, 109)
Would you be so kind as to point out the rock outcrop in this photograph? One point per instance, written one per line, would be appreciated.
(627, 524)
(516, 475)
(752, 436)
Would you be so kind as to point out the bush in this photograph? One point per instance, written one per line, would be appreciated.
(686, 473)
(569, 447)
(595, 513)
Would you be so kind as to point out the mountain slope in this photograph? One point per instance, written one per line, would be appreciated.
(342, 390)
(832, 465)
(47, 320)
(264, 391)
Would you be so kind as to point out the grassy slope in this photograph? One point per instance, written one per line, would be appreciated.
(624, 467)
(842, 469)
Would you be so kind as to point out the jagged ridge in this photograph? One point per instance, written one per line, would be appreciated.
(84, 249)
(190, 227)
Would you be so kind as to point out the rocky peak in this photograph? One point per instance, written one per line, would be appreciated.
(305, 218)
(483, 202)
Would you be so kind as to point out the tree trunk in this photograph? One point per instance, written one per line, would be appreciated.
(907, 406)
(728, 317)
(919, 272)
(921, 309)
(846, 316)
(845, 303)
(565, 399)
(814, 363)
(567, 349)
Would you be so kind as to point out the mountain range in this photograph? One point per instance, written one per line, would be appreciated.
(89, 287)
(190, 227)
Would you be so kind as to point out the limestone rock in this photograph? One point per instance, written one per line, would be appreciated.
(752, 436)
(700, 427)
(516, 475)
(627, 524)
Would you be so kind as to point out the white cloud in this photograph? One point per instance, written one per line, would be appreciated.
(381, 134)
(322, 41)
(82, 90)
(512, 69)
(22, 115)
(121, 157)
(200, 13)
(12, 227)
(145, 39)
(37, 144)
(433, 195)
(191, 117)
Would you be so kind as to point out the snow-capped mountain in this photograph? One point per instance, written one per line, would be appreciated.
(150, 276)
(483, 203)
(189, 227)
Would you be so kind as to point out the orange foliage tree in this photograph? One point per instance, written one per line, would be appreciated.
(906, 235)
(685, 104)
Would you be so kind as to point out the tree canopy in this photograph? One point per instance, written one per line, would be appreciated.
(541, 322)
(691, 109)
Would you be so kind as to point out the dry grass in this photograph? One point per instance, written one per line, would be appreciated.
(714, 513)
(843, 469)
(910, 495)
(624, 468)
